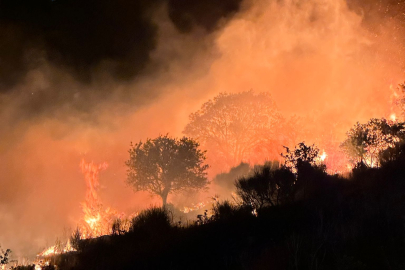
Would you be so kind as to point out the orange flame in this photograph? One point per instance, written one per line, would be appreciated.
(193, 208)
(97, 221)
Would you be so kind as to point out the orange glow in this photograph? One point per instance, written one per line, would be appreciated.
(318, 59)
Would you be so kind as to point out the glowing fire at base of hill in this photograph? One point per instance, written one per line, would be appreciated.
(193, 208)
(97, 220)
(53, 250)
(201, 205)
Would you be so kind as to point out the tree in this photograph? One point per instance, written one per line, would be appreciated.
(308, 167)
(302, 153)
(365, 143)
(164, 165)
(237, 127)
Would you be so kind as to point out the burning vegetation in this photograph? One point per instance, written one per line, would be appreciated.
(166, 165)
(302, 163)
(285, 214)
(159, 164)
(97, 219)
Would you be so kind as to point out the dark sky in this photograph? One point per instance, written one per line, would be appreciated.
(82, 35)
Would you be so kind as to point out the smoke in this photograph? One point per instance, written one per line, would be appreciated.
(82, 79)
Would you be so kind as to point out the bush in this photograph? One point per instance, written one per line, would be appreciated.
(266, 187)
(155, 219)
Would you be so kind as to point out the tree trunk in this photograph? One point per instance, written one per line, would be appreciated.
(164, 195)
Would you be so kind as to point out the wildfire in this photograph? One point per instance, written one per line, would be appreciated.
(97, 221)
(193, 208)
(323, 156)
(201, 205)
(56, 249)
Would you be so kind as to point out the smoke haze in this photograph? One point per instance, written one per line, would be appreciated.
(82, 79)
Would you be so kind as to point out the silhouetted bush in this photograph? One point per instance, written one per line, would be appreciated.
(227, 180)
(311, 179)
(155, 219)
(75, 239)
(266, 187)
(229, 212)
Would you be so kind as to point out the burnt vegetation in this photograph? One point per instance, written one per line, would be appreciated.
(291, 216)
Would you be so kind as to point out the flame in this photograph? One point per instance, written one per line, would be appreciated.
(393, 117)
(48, 252)
(97, 221)
(193, 208)
(323, 156)
(54, 250)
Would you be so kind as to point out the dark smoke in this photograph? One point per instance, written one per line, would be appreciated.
(82, 36)
(94, 39)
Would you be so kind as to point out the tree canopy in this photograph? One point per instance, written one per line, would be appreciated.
(302, 153)
(234, 126)
(366, 142)
(164, 165)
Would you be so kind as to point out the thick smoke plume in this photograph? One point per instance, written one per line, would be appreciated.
(82, 79)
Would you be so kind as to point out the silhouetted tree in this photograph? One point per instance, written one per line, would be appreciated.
(366, 142)
(234, 126)
(308, 167)
(164, 165)
(302, 153)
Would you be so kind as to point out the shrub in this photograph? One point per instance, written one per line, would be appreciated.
(153, 219)
(266, 187)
